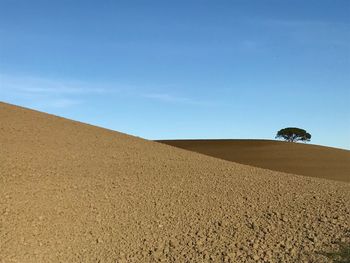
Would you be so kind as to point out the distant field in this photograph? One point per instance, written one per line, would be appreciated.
(297, 158)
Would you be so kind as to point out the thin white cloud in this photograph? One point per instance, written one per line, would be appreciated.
(168, 98)
(46, 93)
(29, 84)
(60, 103)
(64, 103)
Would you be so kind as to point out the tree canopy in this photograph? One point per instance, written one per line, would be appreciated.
(293, 134)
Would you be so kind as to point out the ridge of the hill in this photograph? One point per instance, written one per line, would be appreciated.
(296, 158)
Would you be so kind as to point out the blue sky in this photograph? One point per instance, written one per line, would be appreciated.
(182, 69)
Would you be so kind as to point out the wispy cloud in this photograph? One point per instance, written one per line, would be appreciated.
(168, 98)
(29, 84)
(45, 92)
(60, 103)
(63, 103)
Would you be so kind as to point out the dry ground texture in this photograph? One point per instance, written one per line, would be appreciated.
(72, 192)
(296, 158)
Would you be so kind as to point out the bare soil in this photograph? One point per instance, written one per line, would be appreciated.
(71, 192)
(297, 158)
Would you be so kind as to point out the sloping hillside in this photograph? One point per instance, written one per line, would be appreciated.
(71, 192)
(296, 158)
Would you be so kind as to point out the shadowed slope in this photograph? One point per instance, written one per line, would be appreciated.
(71, 192)
(296, 158)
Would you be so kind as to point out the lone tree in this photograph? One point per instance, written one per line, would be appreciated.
(292, 134)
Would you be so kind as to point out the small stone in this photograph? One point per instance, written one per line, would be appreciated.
(256, 257)
(231, 255)
(293, 252)
(341, 218)
(312, 238)
(289, 246)
(323, 219)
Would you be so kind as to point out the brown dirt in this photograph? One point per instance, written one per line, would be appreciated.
(296, 158)
(71, 192)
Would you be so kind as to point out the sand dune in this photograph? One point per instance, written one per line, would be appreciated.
(296, 158)
(71, 192)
